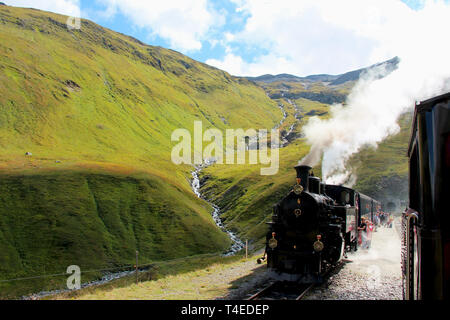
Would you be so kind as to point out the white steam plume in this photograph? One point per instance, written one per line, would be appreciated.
(374, 105)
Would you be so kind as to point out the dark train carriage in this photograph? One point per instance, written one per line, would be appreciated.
(426, 251)
(368, 207)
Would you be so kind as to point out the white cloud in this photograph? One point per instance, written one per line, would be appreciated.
(185, 24)
(235, 65)
(231, 63)
(328, 36)
(66, 7)
(229, 36)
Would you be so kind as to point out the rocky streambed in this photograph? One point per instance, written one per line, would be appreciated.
(237, 243)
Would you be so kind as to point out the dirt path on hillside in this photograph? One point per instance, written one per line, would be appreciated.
(243, 280)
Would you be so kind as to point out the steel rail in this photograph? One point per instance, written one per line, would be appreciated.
(260, 292)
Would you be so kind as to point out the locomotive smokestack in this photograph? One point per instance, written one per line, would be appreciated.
(303, 174)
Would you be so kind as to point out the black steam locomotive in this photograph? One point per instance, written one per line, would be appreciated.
(426, 225)
(313, 227)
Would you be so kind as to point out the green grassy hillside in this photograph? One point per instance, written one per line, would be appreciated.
(96, 95)
(52, 220)
(96, 110)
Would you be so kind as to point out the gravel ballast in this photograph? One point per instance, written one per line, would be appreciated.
(373, 274)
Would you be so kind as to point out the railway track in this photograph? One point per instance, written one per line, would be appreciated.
(283, 291)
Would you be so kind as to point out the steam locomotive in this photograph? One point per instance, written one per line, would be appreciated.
(313, 227)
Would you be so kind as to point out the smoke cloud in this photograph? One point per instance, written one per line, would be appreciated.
(374, 105)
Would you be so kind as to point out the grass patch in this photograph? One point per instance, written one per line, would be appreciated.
(51, 221)
(167, 280)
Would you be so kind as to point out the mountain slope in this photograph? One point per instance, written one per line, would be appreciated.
(122, 96)
(323, 88)
(390, 65)
(94, 110)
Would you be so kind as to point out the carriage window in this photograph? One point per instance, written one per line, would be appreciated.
(345, 197)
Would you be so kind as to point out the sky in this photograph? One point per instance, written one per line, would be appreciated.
(255, 37)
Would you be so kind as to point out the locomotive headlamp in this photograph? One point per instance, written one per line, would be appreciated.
(273, 243)
(318, 246)
(298, 188)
